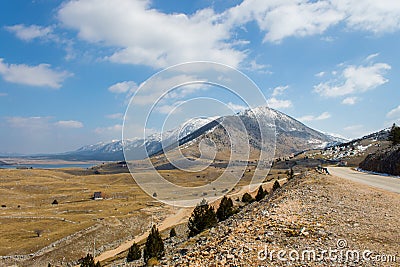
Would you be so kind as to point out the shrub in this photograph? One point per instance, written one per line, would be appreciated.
(276, 185)
(154, 247)
(247, 198)
(261, 193)
(203, 217)
(225, 209)
(38, 232)
(88, 261)
(134, 253)
(172, 233)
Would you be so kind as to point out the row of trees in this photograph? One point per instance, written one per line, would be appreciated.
(203, 217)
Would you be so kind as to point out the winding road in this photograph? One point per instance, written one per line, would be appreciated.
(388, 183)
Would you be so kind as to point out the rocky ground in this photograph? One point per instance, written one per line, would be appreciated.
(314, 220)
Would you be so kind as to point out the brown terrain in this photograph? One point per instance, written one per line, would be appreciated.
(312, 212)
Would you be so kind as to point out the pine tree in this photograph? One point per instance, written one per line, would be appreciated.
(247, 198)
(225, 209)
(88, 261)
(134, 253)
(394, 134)
(290, 173)
(154, 247)
(172, 233)
(261, 193)
(203, 217)
(276, 185)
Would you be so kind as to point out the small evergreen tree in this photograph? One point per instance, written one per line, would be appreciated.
(203, 217)
(261, 193)
(225, 209)
(154, 247)
(88, 261)
(172, 233)
(394, 134)
(134, 253)
(276, 185)
(290, 173)
(247, 198)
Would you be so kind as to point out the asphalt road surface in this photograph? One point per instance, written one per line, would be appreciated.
(384, 182)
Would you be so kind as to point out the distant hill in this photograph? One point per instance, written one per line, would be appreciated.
(2, 163)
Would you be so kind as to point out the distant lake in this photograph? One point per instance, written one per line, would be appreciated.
(49, 166)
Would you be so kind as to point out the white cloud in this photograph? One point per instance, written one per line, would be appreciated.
(117, 128)
(69, 124)
(323, 116)
(167, 109)
(41, 75)
(350, 100)
(147, 36)
(115, 116)
(260, 68)
(287, 18)
(371, 57)
(282, 19)
(320, 74)
(236, 108)
(28, 33)
(356, 131)
(354, 80)
(140, 34)
(394, 113)
(114, 132)
(156, 87)
(42, 134)
(369, 15)
(279, 90)
(36, 122)
(279, 104)
(123, 87)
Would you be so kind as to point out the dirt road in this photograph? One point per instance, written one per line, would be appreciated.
(384, 182)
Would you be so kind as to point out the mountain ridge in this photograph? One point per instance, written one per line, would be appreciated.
(292, 136)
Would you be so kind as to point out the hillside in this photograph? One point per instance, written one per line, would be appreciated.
(311, 212)
(383, 161)
(352, 152)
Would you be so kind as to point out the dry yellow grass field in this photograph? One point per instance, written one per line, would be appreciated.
(26, 197)
(78, 224)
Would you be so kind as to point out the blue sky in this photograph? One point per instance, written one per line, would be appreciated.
(68, 68)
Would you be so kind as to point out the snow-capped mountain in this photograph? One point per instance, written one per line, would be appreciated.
(291, 136)
(137, 148)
